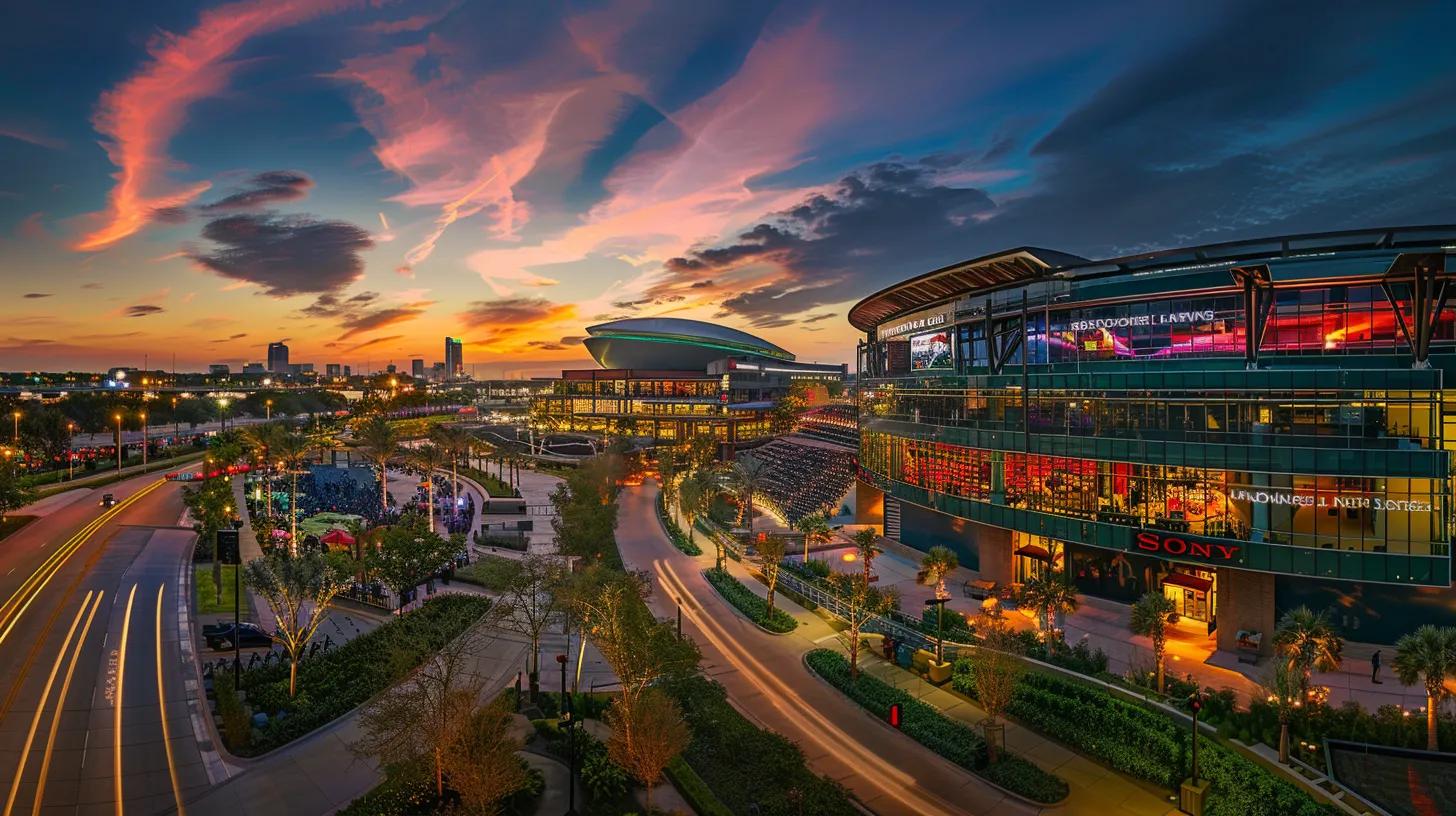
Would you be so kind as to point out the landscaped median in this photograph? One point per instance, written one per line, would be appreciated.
(947, 737)
(1145, 743)
(753, 607)
(674, 532)
(332, 683)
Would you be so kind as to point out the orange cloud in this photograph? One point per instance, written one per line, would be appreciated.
(138, 117)
(509, 323)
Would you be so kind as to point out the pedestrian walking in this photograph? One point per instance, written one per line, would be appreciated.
(1375, 667)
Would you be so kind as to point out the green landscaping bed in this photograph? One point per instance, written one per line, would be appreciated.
(334, 682)
(750, 770)
(493, 485)
(674, 531)
(12, 523)
(949, 738)
(488, 571)
(1147, 744)
(745, 601)
(207, 598)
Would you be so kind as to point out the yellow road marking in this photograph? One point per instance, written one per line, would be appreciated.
(162, 703)
(120, 685)
(22, 598)
(45, 765)
(40, 709)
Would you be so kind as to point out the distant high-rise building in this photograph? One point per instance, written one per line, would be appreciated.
(348, 371)
(219, 369)
(437, 372)
(278, 358)
(417, 368)
(390, 369)
(454, 358)
(331, 370)
(254, 368)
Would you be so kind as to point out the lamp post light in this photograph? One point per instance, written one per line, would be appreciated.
(16, 416)
(1193, 792)
(144, 441)
(268, 410)
(118, 444)
(70, 451)
(176, 424)
(939, 604)
(222, 405)
(570, 721)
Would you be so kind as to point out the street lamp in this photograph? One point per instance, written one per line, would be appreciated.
(939, 604)
(222, 421)
(70, 451)
(570, 722)
(176, 424)
(268, 410)
(16, 415)
(144, 441)
(118, 444)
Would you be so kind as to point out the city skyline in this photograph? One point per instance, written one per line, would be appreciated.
(360, 181)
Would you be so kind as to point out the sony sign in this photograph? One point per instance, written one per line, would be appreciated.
(1180, 546)
(920, 321)
(1169, 319)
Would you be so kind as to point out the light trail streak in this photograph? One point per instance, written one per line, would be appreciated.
(162, 704)
(45, 765)
(120, 687)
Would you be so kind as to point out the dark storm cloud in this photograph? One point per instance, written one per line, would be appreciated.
(331, 304)
(143, 309)
(545, 345)
(266, 188)
(286, 255)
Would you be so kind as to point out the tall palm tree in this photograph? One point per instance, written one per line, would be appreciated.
(378, 442)
(291, 449)
(867, 543)
(429, 457)
(1150, 619)
(1427, 655)
(456, 442)
(746, 477)
(815, 529)
(1309, 642)
(259, 440)
(1050, 594)
(937, 563)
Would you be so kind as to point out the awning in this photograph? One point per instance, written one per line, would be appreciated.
(337, 537)
(1034, 551)
(1183, 579)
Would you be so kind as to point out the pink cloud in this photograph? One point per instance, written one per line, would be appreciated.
(138, 117)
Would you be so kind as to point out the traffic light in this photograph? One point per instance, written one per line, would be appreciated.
(895, 714)
(1195, 702)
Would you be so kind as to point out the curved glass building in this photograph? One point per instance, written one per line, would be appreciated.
(1245, 427)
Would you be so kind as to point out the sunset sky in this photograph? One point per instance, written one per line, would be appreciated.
(364, 178)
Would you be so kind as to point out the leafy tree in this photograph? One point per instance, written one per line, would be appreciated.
(1309, 642)
(1427, 655)
(1150, 619)
(404, 555)
(771, 549)
(640, 649)
(1051, 594)
(429, 458)
(695, 495)
(586, 509)
(13, 492)
(867, 543)
(530, 603)
(815, 528)
(378, 442)
(860, 603)
(667, 472)
(702, 451)
(298, 589)
(210, 502)
(481, 761)
(260, 440)
(995, 672)
(646, 736)
(935, 566)
(43, 434)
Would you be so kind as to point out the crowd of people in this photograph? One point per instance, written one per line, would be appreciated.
(453, 516)
(336, 490)
(804, 479)
(831, 423)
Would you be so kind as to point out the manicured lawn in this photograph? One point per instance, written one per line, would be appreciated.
(488, 571)
(207, 602)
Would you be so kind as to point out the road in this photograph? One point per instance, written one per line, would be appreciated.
(765, 677)
(93, 701)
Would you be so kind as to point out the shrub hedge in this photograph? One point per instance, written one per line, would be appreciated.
(333, 682)
(952, 739)
(750, 769)
(744, 599)
(674, 531)
(692, 787)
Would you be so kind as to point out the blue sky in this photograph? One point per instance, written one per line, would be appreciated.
(366, 178)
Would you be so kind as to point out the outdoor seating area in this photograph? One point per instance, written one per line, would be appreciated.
(804, 479)
(836, 424)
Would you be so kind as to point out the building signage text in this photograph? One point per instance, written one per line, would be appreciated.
(1183, 547)
(915, 323)
(1169, 319)
(1329, 500)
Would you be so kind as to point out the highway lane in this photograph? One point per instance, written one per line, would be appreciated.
(93, 713)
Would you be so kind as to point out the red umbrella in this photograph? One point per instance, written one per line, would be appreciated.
(337, 537)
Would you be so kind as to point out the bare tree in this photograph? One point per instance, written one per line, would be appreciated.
(996, 673)
(771, 552)
(859, 603)
(646, 736)
(298, 589)
(530, 604)
(481, 761)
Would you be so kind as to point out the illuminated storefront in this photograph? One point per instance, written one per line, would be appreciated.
(1194, 422)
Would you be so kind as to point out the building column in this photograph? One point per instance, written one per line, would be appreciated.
(1245, 602)
(869, 504)
(995, 546)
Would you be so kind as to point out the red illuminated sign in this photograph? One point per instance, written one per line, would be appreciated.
(1180, 546)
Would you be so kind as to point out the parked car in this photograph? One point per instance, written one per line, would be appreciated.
(108, 500)
(249, 635)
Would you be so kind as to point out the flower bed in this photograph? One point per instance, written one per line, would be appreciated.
(674, 532)
(745, 601)
(950, 738)
(333, 682)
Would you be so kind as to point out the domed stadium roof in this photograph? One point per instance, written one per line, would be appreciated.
(672, 343)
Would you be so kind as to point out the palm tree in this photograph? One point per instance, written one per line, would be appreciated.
(867, 543)
(771, 552)
(815, 529)
(1050, 594)
(378, 442)
(259, 439)
(1427, 655)
(322, 440)
(291, 450)
(746, 477)
(1309, 642)
(456, 442)
(429, 458)
(1284, 694)
(938, 563)
(1150, 619)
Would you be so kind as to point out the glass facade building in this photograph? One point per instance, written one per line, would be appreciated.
(1247, 426)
